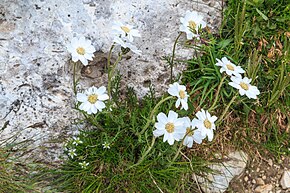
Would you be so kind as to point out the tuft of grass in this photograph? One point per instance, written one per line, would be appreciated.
(121, 168)
(254, 35)
(12, 171)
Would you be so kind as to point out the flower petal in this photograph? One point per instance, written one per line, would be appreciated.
(158, 132)
(161, 117)
(172, 116)
(82, 97)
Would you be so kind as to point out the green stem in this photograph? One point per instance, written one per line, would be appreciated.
(109, 69)
(217, 94)
(109, 56)
(178, 151)
(145, 154)
(111, 72)
(226, 109)
(172, 57)
(152, 113)
(74, 78)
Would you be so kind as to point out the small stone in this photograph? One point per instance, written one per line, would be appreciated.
(246, 178)
(278, 191)
(264, 177)
(270, 162)
(260, 181)
(264, 189)
(225, 172)
(253, 181)
(282, 158)
(285, 180)
(258, 169)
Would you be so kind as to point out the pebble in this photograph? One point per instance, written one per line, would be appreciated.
(258, 169)
(264, 177)
(270, 162)
(264, 189)
(285, 179)
(282, 158)
(253, 181)
(246, 178)
(260, 181)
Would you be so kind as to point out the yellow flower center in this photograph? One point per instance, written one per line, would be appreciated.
(182, 94)
(207, 124)
(125, 29)
(93, 98)
(230, 67)
(189, 132)
(169, 127)
(244, 86)
(81, 51)
(192, 25)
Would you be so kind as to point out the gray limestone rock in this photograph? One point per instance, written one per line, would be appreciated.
(285, 180)
(224, 172)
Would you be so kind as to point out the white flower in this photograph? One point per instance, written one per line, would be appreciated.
(229, 67)
(191, 23)
(191, 134)
(83, 164)
(205, 123)
(180, 92)
(171, 127)
(92, 99)
(245, 87)
(106, 145)
(72, 153)
(123, 42)
(65, 145)
(125, 30)
(81, 49)
(76, 141)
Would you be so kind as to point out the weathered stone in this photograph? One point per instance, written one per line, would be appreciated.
(260, 181)
(285, 179)
(264, 189)
(224, 172)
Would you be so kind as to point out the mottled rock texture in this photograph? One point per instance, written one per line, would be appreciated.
(36, 97)
(224, 172)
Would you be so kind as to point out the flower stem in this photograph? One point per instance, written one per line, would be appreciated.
(172, 57)
(145, 154)
(217, 94)
(109, 56)
(74, 78)
(109, 69)
(226, 109)
(152, 113)
(178, 151)
(111, 72)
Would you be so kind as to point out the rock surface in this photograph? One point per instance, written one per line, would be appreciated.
(36, 97)
(224, 172)
(285, 180)
(262, 176)
(264, 188)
